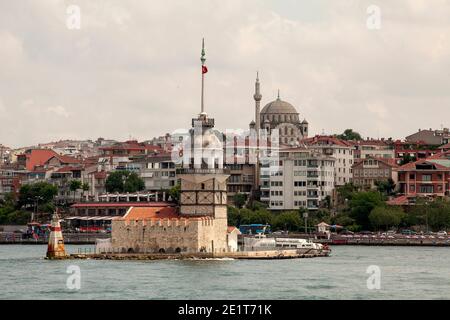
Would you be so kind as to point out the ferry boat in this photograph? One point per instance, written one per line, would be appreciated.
(298, 244)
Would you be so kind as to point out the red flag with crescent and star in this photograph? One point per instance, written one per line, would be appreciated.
(204, 69)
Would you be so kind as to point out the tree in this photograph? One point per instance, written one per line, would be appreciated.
(407, 158)
(288, 221)
(239, 200)
(349, 134)
(234, 216)
(385, 187)
(345, 192)
(439, 215)
(174, 193)
(33, 194)
(133, 183)
(124, 181)
(74, 185)
(84, 187)
(362, 204)
(385, 217)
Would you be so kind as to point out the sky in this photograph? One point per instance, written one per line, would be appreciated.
(132, 69)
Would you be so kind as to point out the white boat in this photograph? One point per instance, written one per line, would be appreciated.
(297, 244)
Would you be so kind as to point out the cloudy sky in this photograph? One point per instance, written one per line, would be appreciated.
(133, 68)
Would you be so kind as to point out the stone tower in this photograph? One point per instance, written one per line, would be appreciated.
(204, 181)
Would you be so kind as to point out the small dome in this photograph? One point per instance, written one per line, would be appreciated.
(279, 107)
(304, 121)
(252, 123)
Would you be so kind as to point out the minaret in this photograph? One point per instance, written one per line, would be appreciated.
(257, 96)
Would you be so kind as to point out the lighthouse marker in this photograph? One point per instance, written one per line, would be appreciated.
(55, 248)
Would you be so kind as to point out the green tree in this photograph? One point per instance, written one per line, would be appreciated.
(288, 221)
(174, 193)
(349, 134)
(439, 215)
(124, 181)
(407, 158)
(84, 188)
(40, 193)
(345, 192)
(234, 216)
(74, 185)
(385, 217)
(248, 216)
(239, 200)
(362, 204)
(385, 187)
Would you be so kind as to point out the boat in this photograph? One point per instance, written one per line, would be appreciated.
(298, 244)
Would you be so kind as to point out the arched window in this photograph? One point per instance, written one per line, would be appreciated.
(203, 186)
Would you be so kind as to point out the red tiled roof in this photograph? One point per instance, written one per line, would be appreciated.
(441, 155)
(399, 201)
(445, 146)
(388, 161)
(231, 229)
(65, 159)
(68, 169)
(100, 175)
(327, 140)
(412, 165)
(119, 204)
(38, 157)
(152, 213)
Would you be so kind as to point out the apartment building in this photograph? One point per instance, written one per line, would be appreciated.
(157, 171)
(426, 178)
(339, 149)
(301, 178)
(374, 148)
(368, 171)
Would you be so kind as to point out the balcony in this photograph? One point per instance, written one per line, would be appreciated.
(202, 171)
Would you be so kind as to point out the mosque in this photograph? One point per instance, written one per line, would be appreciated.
(280, 115)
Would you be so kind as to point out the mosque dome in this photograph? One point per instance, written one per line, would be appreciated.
(279, 107)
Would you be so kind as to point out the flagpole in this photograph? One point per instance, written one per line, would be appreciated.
(203, 59)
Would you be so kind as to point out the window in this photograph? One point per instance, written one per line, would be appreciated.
(426, 189)
(426, 177)
(412, 176)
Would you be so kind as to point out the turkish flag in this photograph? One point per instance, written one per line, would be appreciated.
(204, 69)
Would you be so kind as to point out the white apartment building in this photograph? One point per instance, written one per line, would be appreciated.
(301, 178)
(341, 150)
(158, 172)
(374, 148)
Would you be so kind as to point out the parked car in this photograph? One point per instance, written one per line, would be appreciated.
(442, 233)
(408, 232)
